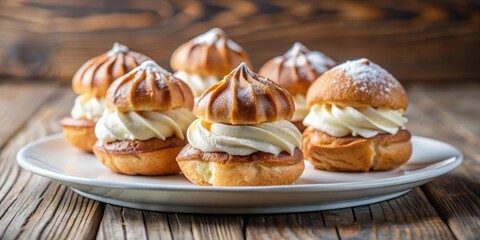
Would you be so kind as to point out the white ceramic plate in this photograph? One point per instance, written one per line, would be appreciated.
(53, 158)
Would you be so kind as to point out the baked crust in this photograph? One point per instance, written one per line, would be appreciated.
(79, 132)
(95, 76)
(294, 78)
(244, 98)
(223, 169)
(149, 157)
(148, 88)
(208, 59)
(356, 154)
(139, 146)
(341, 88)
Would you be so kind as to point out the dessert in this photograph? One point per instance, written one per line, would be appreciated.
(91, 82)
(243, 136)
(356, 120)
(204, 60)
(295, 71)
(143, 128)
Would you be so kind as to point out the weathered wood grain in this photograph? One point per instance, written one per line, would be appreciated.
(289, 226)
(455, 195)
(408, 217)
(35, 207)
(415, 40)
(457, 104)
(20, 96)
(125, 223)
(122, 223)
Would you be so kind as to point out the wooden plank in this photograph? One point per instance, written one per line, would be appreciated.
(289, 226)
(216, 227)
(157, 225)
(122, 223)
(458, 104)
(35, 207)
(125, 223)
(25, 98)
(455, 195)
(38, 37)
(408, 217)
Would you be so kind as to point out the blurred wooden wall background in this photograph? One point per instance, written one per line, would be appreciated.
(431, 40)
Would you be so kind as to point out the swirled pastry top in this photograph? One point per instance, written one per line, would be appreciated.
(244, 98)
(358, 83)
(297, 69)
(95, 76)
(148, 88)
(211, 53)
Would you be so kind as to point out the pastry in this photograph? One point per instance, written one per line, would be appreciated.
(295, 71)
(143, 128)
(90, 82)
(243, 136)
(204, 60)
(356, 120)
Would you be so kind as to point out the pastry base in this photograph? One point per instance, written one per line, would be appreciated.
(79, 132)
(356, 154)
(149, 157)
(223, 169)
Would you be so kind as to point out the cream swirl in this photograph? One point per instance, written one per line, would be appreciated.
(198, 83)
(271, 137)
(365, 121)
(143, 125)
(88, 107)
(301, 109)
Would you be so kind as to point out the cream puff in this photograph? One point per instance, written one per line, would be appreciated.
(243, 136)
(356, 120)
(295, 71)
(143, 128)
(204, 60)
(91, 82)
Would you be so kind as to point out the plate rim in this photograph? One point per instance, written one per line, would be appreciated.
(442, 167)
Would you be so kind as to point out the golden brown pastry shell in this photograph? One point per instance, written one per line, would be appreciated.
(257, 169)
(95, 76)
(79, 133)
(244, 98)
(204, 59)
(149, 88)
(296, 80)
(336, 87)
(148, 157)
(356, 154)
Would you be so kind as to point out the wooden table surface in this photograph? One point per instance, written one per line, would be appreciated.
(34, 207)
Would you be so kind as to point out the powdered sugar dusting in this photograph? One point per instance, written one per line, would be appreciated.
(217, 37)
(366, 76)
(300, 56)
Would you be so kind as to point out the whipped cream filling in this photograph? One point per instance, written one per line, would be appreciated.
(143, 125)
(301, 109)
(271, 137)
(88, 107)
(198, 83)
(365, 121)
